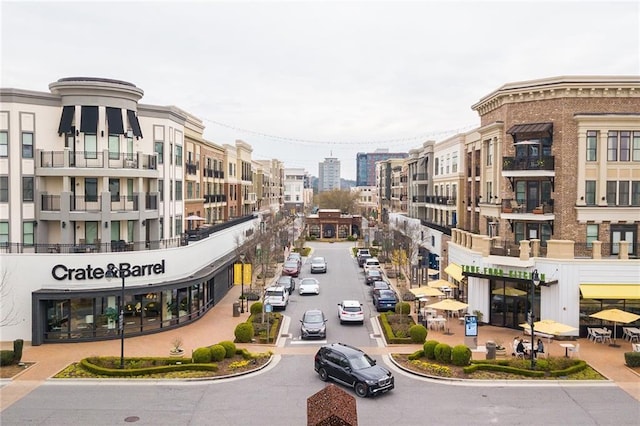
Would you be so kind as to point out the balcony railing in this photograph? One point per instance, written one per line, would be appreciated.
(513, 206)
(125, 203)
(191, 168)
(215, 198)
(86, 204)
(419, 176)
(434, 199)
(97, 160)
(528, 163)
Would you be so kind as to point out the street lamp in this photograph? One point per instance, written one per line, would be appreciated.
(112, 272)
(535, 282)
(242, 257)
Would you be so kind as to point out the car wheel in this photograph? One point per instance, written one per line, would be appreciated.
(361, 389)
(324, 376)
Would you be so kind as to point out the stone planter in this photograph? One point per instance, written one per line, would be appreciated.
(501, 353)
(176, 353)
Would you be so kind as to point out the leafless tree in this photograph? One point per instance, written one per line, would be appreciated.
(9, 314)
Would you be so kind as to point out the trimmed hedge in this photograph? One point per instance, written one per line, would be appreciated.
(503, 368)
(403, 308)
(128, 372)
(632, 359)
(201, 355)
(418, 333)
(229, 347)
(442, 352)
(6, 357)
(218, 352)
(244, 332)
(388, 331)
(429, 348)
(256, 308)
(416, 355)
(460, 355)
(17, 350)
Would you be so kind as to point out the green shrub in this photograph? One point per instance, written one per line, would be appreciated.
(418, 333)
(403, 308)
(201, 356)
(244, 332)
(229, 347)
(460, 355)
(6, 357)
(218, 352)
(632, 359)
(416, 355)
(256, 308)
(442, 352)
(17, 350)
(429, 347)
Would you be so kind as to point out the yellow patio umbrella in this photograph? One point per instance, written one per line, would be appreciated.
(508, 291)
(549, 327)
(615, 316)
(426, 292)
(448, 305)
(441, 284)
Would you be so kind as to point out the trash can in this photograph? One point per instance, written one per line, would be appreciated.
(236, 310)
(491, 350)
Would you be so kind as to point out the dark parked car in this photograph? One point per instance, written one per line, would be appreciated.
(373, 275)
(354, 368)
(376, 286)
(362, 258)
(291, 267)
(288, 282)
(385, 300)
(313, 324)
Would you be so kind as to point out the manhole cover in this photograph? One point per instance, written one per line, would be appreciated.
(131, 419)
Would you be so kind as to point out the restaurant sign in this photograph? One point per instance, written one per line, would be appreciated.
(498, 272)
(63, 272)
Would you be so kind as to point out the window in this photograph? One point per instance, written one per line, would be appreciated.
(635, 147)
(130, 148)
(4, 233)
(592, 234)
(90, 146)
(28, 237)
(178, 223)
(521, 192)
(189, 190)
(448, 163)
(635, 193)
(178, 155)
(114, 147)
(4, 144)
(130, 227)
(170, 153)
(612, 146)
(592, 145)
(159, 149)
(590, 192)
(178, 190)
(625, 146)
(4, 189)
(91, 231)
(161, 189)
(611, 192)
(130, 190)
(437, 161)
(489, 154)
(27, 145)
(489, 191)
(114, 189)
(91, 189)
(454, 163)
(27, 188)
(623, 193)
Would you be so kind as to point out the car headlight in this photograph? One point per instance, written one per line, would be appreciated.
(371, 382)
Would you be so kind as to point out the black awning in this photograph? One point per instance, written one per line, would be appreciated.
(534, 128)
(67, 118)
(133, 123)
(114, 121)
(89, 119)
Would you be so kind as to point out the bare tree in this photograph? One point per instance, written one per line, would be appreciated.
(9, 314)
(343, 200)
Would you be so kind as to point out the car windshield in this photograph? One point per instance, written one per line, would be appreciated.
(374, 273)
(308, 281)
(318, 260)
(291, 264)
(284, 280)
(387, 294)
(381, 285)
(313, 317)
(360, 362)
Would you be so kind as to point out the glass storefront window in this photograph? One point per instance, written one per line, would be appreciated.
(57, 319)
(82, 318)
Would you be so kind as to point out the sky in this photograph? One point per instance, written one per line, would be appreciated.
(305, 80)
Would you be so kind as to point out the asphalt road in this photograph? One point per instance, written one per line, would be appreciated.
(278, 395)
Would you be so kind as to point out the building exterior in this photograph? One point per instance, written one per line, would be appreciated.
(331, 223)
(294, 190)
(366, 165)
(329, 174)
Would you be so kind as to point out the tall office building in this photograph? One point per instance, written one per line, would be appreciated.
(329, 174)
(366, 165)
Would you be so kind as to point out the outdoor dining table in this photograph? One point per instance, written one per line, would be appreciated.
(436, 322)
(601, 333)
(566, 347)
(633, 333)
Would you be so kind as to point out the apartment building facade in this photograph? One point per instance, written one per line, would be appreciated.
(329, 174)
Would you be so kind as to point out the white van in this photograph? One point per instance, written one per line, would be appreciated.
(277, 297)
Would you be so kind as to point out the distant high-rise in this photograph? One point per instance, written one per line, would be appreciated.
(329, 174)
(366, 165)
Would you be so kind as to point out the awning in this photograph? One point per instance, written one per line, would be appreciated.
(133, 123)
(441, 284)
(114, 120)
(89, 119)
(534, 128)
(67, 118)
(426, 292)
(610, 291)
(454, 271)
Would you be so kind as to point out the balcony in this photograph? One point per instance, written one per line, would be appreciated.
(191, 168)
(528, 163)
(516, 207)
(96, 160)
(419, 177)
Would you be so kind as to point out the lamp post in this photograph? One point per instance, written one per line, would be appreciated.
(535, 282)
(112, 271)
(242, 257)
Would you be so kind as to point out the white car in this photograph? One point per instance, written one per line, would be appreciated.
(350, 311)
(277, 296)
(318, 264)
(309, 286)
(371, 263)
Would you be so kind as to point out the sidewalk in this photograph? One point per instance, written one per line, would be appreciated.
(219, 324)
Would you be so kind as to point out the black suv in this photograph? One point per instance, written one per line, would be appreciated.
(354, 368)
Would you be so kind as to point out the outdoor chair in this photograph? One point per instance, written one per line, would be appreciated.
(515, 206)
(606, 337)
(573, 351)
(635, 347)
(517, 354)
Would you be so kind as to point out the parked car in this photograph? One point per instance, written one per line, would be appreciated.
(373, 275)
(385, 300)
(376, 286)
(291, 267)
(288, 282)
(313, 324)
(294, 255)
(318, 264)
(309, 286)
(371, 263)
(350, 311)
(277, 297)
(362, 258)
(354, 368)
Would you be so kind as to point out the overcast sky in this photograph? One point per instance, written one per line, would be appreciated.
(301, 81)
